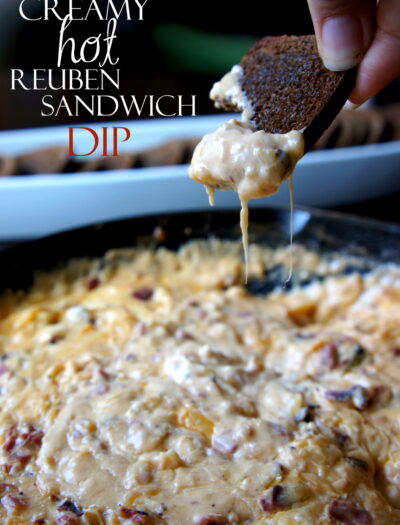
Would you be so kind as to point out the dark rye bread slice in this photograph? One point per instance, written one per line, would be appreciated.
(290, 89)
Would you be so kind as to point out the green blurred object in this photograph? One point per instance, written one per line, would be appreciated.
(193, 51)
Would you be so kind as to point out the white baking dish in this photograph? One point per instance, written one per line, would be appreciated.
(37, 205)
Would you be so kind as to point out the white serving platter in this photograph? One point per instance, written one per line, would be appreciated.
(32, 206)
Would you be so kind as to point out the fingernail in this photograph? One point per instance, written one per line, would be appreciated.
(342, 43)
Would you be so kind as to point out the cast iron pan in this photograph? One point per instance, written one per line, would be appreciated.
(370, 241)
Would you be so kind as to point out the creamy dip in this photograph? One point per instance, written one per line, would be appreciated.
(237, 156)
(150, 388)
(229, 89)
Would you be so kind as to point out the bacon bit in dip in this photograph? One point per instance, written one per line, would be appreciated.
(70, 506)
(279, 497)
(183, 335)
(348, 513)
(7, 487)
(273, 500)
(11, 438)
(339, 395)
(357, 395)
(93, 283)
(13, 504)
(20, 445)
(213, 519)
(143, 294)
(328, 357)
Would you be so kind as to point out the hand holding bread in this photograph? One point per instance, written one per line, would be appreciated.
(359, 32)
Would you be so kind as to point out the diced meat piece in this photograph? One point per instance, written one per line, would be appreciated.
(183, 335)
(20, 445)
(396, 351)
(347, 513)
(32, 438)
(10, 440)
(93, 283)
(104, 374)
(23, 459)
(143, 294)
(13, 504)
(272, 501)
(361, 398)
(279, 497)
(339, 395)
(357, 395)
(214, 519)
(7, 487)
(339, 437)
(328, 357)
(68, 505)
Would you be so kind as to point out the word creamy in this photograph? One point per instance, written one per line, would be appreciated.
(79, 10)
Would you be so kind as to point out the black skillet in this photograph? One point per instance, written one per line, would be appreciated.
(369, 241)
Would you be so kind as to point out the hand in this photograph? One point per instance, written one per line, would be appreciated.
(364, 32)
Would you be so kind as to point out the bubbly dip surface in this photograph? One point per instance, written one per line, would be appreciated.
(150, 387)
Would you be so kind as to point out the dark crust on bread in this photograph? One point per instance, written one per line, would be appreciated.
(289, 88)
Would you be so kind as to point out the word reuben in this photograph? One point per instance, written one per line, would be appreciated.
(96, 105)
(96, 140)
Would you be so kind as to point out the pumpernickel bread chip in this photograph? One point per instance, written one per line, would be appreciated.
(289, 88)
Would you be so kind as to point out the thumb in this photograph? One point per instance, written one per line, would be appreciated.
(344, 30)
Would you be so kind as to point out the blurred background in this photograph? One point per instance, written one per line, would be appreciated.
(180, 47)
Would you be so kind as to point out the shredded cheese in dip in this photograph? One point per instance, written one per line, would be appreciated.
(150, 387)
(238, 157)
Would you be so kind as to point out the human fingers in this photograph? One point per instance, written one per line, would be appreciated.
(381, 64)
(344, 30)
